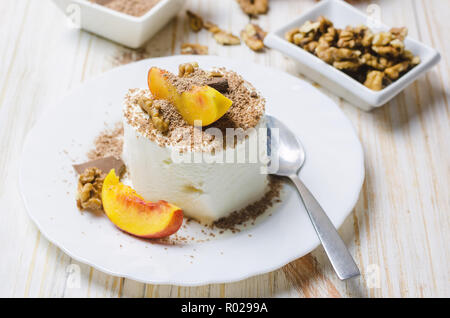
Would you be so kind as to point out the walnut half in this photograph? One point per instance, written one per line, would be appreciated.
(187, 69)
(253, 36)
(150, 107)
(221, 36)
(254, 7)
(226, 38)
(194, 49)
(195, 21)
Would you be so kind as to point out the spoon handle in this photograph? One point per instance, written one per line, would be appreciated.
(337, 252)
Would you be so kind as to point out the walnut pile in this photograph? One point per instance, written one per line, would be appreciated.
(90, 183)
(152, 110)
(374, 59)
(253, 36)
(254, 7)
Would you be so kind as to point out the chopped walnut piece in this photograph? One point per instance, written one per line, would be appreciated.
(329, 37)
(347, 54)
(253, 36)
(399, 33)
(346, 65)
(194, 49)
(382, 39)
(160, 124)
(311, 46)
(90, 183)
(394, 72)
(215, 74)
(324, 24)
(195, 21)
(254, 7)
(346, 39)
(309, 26)
(211, 27)
(221, 36)
(326, 53)
(226, 38)
(187, 68)
(367, 39)
(378, 63)
(374, 80)
(302, 39)
(145, 103)
(415, 61)
(289, 36)
(388, 51)
(152, 110)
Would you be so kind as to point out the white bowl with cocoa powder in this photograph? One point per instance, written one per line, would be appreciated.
(122, 21)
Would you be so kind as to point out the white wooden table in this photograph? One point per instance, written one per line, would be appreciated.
(399, 231)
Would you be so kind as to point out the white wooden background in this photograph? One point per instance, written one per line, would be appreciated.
(399, 231)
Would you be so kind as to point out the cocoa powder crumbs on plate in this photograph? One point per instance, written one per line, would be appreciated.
(130, 56)
(108, 143)
(252, 211)
(136, 8)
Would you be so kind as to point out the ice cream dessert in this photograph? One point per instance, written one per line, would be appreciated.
(176, 147)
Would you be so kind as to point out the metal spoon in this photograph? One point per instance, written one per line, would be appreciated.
(290, 157)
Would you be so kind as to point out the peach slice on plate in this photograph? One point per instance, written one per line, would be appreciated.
(132, 214)
(204, 103)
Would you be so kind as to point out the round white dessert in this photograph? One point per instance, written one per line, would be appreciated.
(207, 186)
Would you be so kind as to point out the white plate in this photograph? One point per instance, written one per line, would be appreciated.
(334, 172)
(343, 14)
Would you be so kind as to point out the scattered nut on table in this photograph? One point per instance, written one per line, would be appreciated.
(223, 37)
(374, 59)
(253, 36)
(211, 27)
(254, 7)
(194, 49)
(226, 38)
(195, 21)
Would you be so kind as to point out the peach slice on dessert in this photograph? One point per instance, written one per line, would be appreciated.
(204, 103)
(132, 214)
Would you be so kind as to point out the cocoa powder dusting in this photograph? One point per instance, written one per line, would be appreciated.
(108, 143)
(252, 211)
(135, 8)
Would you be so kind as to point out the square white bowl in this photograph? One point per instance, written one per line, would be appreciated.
(117, 26)
(343, 14)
